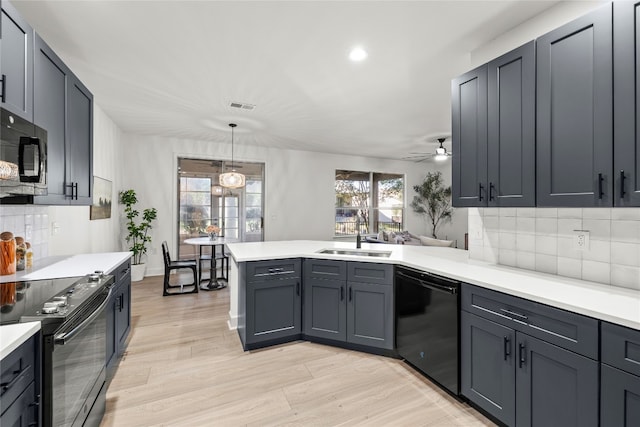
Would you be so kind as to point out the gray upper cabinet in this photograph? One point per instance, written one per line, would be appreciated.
(80, 146)
(16, 63)
(626, 51)
(64, 107)
(511, 128)
(50, 82)
(469, 138)
(574, 113)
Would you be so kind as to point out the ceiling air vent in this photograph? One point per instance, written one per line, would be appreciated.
(242, 106)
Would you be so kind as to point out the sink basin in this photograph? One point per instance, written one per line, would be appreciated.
(357, 252)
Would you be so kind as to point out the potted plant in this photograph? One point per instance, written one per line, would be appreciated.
(138, 236)
(433, 201)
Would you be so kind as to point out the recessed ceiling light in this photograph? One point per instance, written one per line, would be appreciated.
(357, 54)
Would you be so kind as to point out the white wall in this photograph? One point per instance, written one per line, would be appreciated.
(299, 187)
(539, 25)
(66, 230)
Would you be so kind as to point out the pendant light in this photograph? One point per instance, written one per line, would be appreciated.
(232, 179)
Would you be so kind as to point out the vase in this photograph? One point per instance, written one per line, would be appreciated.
(137, 272)
(213, 236)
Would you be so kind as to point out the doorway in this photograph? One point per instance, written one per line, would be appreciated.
(202, 202)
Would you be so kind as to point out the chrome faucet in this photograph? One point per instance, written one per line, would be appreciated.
(358, 238)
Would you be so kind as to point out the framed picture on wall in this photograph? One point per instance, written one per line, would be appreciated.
(102, 195)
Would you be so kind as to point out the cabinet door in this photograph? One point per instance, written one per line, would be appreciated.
(24, 410)
(574, 113)
(123, 314)
(325, 308)
(619, 398)
(469, 138)
(511, 128)
(273, 310)
(80, 142)
(554, 387)
(626, 69)
(370, 319)
(49, 112)
(17, 63)
(487, 375)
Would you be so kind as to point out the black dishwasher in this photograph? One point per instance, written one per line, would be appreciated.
(427, 327)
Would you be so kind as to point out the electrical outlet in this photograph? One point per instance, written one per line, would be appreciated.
(581, 240)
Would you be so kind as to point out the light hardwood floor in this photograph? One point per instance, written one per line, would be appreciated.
(184, 367)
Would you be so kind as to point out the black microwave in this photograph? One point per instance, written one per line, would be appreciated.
(23, 157)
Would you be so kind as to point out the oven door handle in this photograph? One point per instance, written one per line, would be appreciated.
(63, 338)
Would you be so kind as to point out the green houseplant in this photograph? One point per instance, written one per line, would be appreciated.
(138, 233)
(433, 201)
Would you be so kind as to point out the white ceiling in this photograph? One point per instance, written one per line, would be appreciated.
(172, 67)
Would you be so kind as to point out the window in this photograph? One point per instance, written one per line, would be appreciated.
(377, 198)
(195, 205)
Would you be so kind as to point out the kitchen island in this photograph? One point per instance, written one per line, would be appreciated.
(604, 302)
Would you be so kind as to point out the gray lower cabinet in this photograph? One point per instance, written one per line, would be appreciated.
(272, 296)
(63, 106)
(619, 376)
(118, 317)
(349, 302)
(16, 63)
(20, 378)
(528, 364)
(574, 117)
(626, 77)
(488, 366)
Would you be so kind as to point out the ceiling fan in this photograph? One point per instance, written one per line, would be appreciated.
(440, 153)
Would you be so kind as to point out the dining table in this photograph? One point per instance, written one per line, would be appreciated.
(214, 282)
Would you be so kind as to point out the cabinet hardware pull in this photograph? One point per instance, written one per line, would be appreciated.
(298, 288)
(491, 188)
(36, 403)
(65, 190)
(522, 350)
(507, 347)
(3, 94)
(75, 190)
(341, 293)
(19, 375)
(622, 178)
(350, 293)
(513, 313)
(480, 188)
(600, 190)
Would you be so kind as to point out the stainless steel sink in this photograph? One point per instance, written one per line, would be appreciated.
(356, 252)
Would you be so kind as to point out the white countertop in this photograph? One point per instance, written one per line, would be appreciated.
(605, 302)
(12, 336)
(68, 266)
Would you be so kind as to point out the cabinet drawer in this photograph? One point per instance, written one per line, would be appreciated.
(259, 271)
(18, 371)
(365, 272)
(565, 329)
(621, 347)
(122, 270)
(325, 269)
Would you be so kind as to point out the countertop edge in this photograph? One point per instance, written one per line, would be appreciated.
(13, 336)
(464, 271)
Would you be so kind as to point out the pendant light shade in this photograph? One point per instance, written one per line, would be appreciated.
(232, 179)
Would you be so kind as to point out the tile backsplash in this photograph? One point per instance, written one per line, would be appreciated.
(543, 239)
(30, 222)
